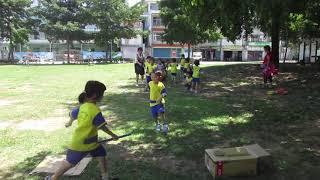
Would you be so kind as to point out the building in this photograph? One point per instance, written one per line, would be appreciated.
(240, 50)
(153, 44)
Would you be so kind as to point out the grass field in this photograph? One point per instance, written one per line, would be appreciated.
(232, 110)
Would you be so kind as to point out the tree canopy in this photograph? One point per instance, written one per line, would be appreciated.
(16, 22)
(180, 26)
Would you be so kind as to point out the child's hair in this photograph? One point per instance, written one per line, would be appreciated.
(149, 57)
(92, 88)
(174, 60)
(267, 48)
(140, 49)
(187, 59)
(197, 62)
(182, 55)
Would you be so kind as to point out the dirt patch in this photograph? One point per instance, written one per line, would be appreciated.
(4, 102)
(48, 124)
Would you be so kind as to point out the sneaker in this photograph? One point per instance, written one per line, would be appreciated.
(158, 128)
(165, 128)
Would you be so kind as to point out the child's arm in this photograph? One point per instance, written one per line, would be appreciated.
(163, 94)
(105, 129)
(73, 116)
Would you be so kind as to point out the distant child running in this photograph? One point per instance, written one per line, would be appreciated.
(157, 94)
(173, 70)
(151, 67)
(182, 62)
(186, 67)
(188, 82)
(196, 76)
(84, 139)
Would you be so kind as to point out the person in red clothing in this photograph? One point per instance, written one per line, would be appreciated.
(268, 67)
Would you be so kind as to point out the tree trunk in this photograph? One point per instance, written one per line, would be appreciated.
(107, 52)
(316, 53)
(285, 53)
(111, 51)
(304, 52)
(68, 44)
(310, 48)
(275, 37)
(10, 55)
(189, 48)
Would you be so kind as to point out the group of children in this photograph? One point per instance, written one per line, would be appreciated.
(89, 118)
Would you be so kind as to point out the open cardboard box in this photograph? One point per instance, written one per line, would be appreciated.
(236, 161)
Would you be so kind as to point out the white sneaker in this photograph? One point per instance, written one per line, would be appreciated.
(158, 127)
(165, 128)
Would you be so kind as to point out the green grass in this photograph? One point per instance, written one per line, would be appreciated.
(233, 110)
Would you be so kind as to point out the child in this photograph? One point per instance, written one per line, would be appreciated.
(157, 94)
(186, 67)
(268, 68)
(151, 67)
(196, 76)
(188, 81)
(85, 136)
(182, 62)
(173, 70)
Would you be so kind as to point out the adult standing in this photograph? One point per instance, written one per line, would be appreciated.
(268, 67)
(139, 65)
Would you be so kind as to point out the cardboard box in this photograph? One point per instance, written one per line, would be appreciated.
(237, 161)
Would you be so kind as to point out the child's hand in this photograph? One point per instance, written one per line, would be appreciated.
(159, 100)
(68, 124)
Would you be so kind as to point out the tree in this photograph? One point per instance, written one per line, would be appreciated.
(15, 22)
(114, 19)
(181, 27)
(236, 18)
(65, 20)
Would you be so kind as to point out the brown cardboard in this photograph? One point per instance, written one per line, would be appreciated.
(51, 163)
(237, 161)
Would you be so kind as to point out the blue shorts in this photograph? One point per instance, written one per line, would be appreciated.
(148, 79)
(156, 110)
(196, 80)
(74, 157)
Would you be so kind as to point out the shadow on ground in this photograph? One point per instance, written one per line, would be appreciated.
(232, 110)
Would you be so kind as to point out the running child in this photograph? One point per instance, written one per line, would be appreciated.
(186, 67)
(182, 62)
(188, 82)
(173, 70)
(151, 67)
(196, 76)
(157, 94)
(84, 139)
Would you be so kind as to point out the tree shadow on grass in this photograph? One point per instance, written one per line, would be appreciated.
(22, 170)
(239, 112)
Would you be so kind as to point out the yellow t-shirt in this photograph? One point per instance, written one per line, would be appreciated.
(156, 90)
(182, 62)
(85, 130)
(186, 65)
(150, 68)
(196, 71)
(173, 67)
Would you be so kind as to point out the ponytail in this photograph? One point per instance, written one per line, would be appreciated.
(82, 97)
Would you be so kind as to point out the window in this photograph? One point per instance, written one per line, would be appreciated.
(154, 7)
(157, 21)
(157, 37)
